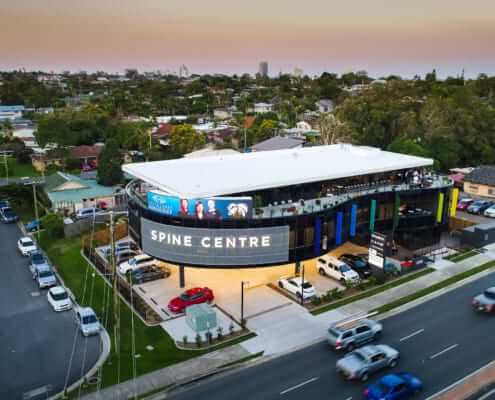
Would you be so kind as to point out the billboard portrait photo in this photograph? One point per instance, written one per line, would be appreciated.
(214, 208)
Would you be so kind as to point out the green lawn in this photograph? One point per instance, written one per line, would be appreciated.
(16, 170)
(458, 257)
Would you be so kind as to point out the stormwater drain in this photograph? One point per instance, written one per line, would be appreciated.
(93, 380)
(150, 348)
(35, 294)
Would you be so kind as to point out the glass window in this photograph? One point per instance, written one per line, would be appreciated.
(362, 329)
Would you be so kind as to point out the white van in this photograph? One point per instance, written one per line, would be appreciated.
(336, 269)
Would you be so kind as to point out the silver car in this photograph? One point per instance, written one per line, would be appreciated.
(349, 335)
(485, 302)
(87, 321)
(367, 360)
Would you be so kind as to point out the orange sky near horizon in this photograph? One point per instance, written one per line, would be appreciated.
(380, 36)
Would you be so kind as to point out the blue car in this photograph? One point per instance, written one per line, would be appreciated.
(33, 226)
(401, 386)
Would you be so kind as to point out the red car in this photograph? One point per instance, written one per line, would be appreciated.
(190, 297)
(463, 204)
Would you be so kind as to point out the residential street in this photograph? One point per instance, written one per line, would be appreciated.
(36, 342)
(441, 341)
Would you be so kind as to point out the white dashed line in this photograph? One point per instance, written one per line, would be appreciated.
(298, 386)
(411, 335)
(443, 351)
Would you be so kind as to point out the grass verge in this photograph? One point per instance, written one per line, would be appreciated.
(437, 286)
(371, 292)
(461, 256)
(91, 290)
(17, 170)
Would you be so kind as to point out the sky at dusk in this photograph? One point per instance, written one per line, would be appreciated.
(232, 36)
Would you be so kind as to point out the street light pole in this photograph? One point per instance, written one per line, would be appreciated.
(242, 302)
(36, 216)
(302, 285)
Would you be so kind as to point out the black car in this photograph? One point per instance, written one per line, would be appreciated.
(148, 273)
(357, 263)
(8, 215)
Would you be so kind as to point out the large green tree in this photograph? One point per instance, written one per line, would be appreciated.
(109, 164)
(185, 139)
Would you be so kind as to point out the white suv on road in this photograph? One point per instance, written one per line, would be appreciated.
(336, 269)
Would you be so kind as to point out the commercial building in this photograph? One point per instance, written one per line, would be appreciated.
(281, 207)
(263, 69)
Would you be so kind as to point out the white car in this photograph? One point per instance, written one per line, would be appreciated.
(87, 321)
(296, 286)
(490, 212)
(59, 299)
(141, 260)
(337, 269)
(89, 212)
(26, 246)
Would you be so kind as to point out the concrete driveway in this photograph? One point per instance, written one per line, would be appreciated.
(36, 342)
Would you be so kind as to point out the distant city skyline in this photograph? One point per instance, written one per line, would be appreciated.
(381, 37)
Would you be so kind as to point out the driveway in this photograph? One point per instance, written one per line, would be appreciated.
(36, 342)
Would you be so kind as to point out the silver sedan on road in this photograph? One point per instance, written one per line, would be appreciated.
(485, 302)
(365, 360)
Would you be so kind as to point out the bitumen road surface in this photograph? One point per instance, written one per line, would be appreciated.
(440, 341)
(35, 342)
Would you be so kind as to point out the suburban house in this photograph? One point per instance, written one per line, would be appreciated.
(162, 133)
(10, 112)
(262, 108)
(480, 181)
(325, 105)
(222, 113)
(277, 143)
(70, 193)
(86, 154)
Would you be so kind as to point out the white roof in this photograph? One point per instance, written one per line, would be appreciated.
(230, 174)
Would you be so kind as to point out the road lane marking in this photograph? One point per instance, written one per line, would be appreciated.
(487, 395)
(443, 351)
(349, 398)
(411, 335)
(298, 386)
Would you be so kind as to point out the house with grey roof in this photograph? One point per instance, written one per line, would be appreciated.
(481, 181)
(278, 143)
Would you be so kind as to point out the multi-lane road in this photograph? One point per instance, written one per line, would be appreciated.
(35, 342)
(441, 341)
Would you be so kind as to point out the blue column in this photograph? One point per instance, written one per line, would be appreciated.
(317, 237)
(338, 228)
(352, 228)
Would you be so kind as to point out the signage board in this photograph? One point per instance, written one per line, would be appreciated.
(215, 247)
(216, 208)
(379, 249)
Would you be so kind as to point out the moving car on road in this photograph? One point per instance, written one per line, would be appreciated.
(189, 297)
(87, 321)
(59, 299)
(358, 264)
(8, 215)
(349, 335)
(148, 273)
(26, 246)
(362, 362)
(464, 203)
(296, 286)
(401, 386)
(479, 206)
(336, 269)
(485, 302)
(44, 276)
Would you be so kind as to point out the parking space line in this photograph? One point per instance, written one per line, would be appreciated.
(298, 386)
(443, 351)
(411, 335)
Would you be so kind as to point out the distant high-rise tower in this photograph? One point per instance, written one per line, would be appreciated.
(183, 71)
(263, 70)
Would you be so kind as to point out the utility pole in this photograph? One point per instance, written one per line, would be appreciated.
(36, 216)
(6, 166)
(302, 285)
(245, 139)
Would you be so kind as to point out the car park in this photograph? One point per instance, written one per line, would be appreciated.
(8, 216)
(490, 212)
(362, 362)
(88, 212)
(59, 299)
(87, 321)
(357, 263)
(148, 273)
(296, 286)
(349, 335)
(141, 260)
(337, 269)
(125, 255)
(44, 276)
(4, 203)
(401, 386)
(33, 226)
(479, 206)
(192, 296)
(36, 259)
(464, 203)
(26, 246)
(485, 302)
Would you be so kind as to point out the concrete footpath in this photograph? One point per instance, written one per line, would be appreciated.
(269, 338)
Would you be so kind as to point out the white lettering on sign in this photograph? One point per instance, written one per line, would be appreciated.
(230, 243)
(218, 243)
(265, 241)
(205, 242)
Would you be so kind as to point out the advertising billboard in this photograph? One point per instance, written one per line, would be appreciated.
(379, 249)
(219, 208)
(215, 247)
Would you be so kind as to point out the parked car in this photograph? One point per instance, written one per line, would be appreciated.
(362, 362)
(25, 245)
(33, 226)
(36, 259)
(44, 276)
(87, 321)
(88, 212)
(4, 203)
(401, 386)
(336, 269)
(358, 264)
(417, 261)
(464, 203)
(125, 255)
(148, 273)
(485, 302)
(141, 260)
(479, 206)
(192, 296)
(8, 215)
(296, 286)
(349, 335)
(59, 298)
(490, 211)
